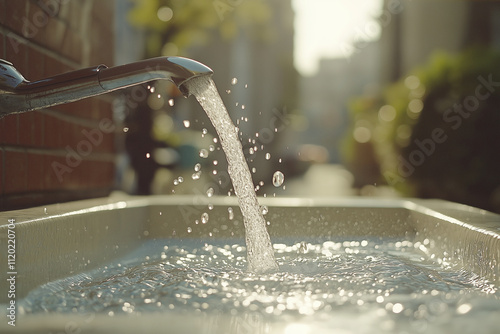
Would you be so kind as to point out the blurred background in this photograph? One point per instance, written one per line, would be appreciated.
(345, 97)
(349, 93)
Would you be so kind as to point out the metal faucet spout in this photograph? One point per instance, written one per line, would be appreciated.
(19, 95)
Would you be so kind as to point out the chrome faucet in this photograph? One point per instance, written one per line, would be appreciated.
(18, 95)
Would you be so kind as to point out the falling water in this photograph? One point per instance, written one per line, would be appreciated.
(260, 254)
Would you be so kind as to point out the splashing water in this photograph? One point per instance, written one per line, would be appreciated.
(260, 254)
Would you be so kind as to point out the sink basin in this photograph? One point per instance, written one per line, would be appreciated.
(58, 241)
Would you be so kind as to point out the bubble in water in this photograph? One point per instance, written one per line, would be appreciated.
(204, 218)
(215, 162)
(251, 150)
(203, 153)
(303, 247)
(171, 102)
(197, 167)
(231, 213)
(278, 178)
(268, 156)
(211, 148)
(186, 123)
(196, 175)
(264, 210)
(189, 230)
(234, 81)
(181, 179)
(210, 192)
(210, 206)
(125, 129)
(148, 155)
(176, 182)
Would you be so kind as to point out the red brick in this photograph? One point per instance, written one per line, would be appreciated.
(2, 172)
(2, 11)
(15, 52)
(36, 64)
(55, 173)
(53, 67)
(2, 43)
(26, 129)
(16, 15)
(9, 130)
(51, 132)
(36, 163)
(16, 172)
(38, 131)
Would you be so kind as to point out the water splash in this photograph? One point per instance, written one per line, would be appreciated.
(278, 178)
(260, 254)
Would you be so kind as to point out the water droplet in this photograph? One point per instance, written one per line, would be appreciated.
(268, 156)
(231, 213)
(204, 218)
(186, 123)
(278, 178)
(203, 153)
(210, 192)
(171, 102)
(189, 229)
(234, 81)
(264, 210)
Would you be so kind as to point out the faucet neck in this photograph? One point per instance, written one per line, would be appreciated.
(19, 95)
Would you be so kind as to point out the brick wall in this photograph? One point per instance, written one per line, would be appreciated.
(66, 152)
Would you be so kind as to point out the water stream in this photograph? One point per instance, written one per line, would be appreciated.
(260, 255)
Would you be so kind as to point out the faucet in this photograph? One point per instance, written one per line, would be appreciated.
(18, 95)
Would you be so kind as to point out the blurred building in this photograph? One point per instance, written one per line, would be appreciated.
(412, 31)
(325, 96)
(266, 88)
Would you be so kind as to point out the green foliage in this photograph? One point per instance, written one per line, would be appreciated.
(444, 138)
(194, 21)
